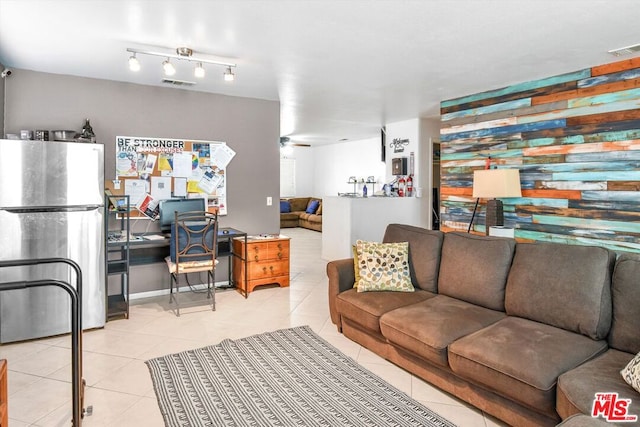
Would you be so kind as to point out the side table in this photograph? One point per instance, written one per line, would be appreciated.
(267, 261)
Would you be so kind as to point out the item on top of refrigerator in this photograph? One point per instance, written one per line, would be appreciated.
(87, 132)
(64, 135)
(41, 135)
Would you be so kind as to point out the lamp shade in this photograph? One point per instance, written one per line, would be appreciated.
(496, 183)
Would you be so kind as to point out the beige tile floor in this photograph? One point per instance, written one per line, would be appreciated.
(118, 383)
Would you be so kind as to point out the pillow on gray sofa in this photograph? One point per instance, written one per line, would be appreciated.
(424, 252)
(631, 373)
(475, 268)
(383, 267)
(625, 294)
(566, 286)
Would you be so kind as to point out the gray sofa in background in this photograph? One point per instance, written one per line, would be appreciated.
(522, 331)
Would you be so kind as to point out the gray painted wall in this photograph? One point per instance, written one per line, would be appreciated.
(251, 127)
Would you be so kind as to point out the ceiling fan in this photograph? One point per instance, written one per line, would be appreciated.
(285, 141)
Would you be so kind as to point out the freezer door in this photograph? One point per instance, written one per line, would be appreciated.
(44, 311)
(51, 173)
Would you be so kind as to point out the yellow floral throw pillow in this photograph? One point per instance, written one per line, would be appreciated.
(356, 266)
(383, 267)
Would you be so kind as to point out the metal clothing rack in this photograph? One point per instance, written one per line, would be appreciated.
(75, 293)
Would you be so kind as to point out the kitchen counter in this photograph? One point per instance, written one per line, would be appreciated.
(347, 219)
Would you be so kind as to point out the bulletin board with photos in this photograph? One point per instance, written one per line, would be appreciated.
(149, 170)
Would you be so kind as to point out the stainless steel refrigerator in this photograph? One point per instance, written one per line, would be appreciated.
(51, 205)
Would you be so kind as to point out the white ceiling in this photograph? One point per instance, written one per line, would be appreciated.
(340, 68)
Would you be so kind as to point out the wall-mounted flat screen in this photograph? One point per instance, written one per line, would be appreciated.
(169, 207)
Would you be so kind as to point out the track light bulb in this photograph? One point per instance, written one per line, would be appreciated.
(169, 69)
(199, 71)
(228, 75)
(134, 64)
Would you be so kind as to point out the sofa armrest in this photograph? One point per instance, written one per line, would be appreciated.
(341, 278)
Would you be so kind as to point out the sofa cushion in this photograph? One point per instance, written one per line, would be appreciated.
(290, 216)
(434, 324)
(285, 206)
(567, 286)
(522, 359)
(299, 204)
(424, 253)
(383, 267)
(631, 373)
(581, 420)
(475, 268)
(312, 207)
(366, 308)
(319, 211)
(625, 322)
(309, 217)
(577, 387)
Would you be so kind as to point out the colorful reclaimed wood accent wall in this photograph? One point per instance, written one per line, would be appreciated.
(575, 139)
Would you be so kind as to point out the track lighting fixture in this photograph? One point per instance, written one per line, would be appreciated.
(169, 69)
(182, 54)
(228, 75)
(134, 64)
(199, 71)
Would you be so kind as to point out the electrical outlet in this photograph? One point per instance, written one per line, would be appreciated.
(269, 201)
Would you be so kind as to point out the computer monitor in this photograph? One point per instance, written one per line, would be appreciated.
(169, 207)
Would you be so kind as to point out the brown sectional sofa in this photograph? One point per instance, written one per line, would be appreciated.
(527, 332)
(298, 216)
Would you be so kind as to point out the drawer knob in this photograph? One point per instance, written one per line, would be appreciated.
(271, 268)
(280, 246)
(280, 255)
(256, 257)
(264, 269)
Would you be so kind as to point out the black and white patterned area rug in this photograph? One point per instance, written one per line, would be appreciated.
(290, 377)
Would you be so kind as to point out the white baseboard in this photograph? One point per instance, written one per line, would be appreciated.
(160, 292)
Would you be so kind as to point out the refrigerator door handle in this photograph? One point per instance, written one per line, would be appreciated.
(78, 208)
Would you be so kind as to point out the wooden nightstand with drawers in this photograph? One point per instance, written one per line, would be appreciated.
(267, 261)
